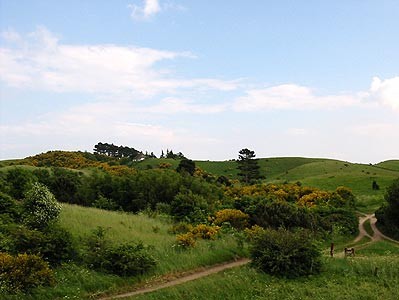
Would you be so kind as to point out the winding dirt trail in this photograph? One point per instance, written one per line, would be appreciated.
(377, 235)
(182, 279)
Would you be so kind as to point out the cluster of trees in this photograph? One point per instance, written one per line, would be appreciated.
(388, 214)
(170, 154)
(117, 151)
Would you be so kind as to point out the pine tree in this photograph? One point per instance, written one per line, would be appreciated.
(248, 166)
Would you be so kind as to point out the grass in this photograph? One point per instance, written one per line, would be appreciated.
(77, 282)
(123, 227)
(367, 227)
(380, 248)
(341, 279)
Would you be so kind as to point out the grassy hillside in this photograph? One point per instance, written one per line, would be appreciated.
(123, 227)
(389, 164)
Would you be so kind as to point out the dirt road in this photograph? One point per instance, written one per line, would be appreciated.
(184, 278)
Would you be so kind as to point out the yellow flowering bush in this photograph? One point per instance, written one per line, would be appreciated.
(235, 217)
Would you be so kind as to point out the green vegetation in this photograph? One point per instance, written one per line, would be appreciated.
(341, 279)
(388, 214)
(287, 254)
(117, 225)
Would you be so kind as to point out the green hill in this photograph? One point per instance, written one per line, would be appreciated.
(389, 164)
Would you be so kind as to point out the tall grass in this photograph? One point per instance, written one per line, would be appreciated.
(124, 227)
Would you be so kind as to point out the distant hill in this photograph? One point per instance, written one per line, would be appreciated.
(389, 164)
(319, 172)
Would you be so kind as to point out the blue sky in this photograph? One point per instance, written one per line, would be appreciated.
(208, 78)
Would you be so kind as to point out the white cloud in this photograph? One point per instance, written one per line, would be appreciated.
(148, 9)
(292, 97)
(42, 62)
(172, 105)
(297, 131)
(386, 92)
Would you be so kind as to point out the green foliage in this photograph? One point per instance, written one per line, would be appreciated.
(284, 253)
(105, 203)
(19, 181)
(234, 217)
(127, 259)
(185, 240)
(54, 244)
(189, 207)
(23, 272)
(388, 214)
(248, 166)
(186, 165)
(9, 210)
(40, 208)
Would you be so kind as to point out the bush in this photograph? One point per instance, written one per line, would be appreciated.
(205, 232)
(127, 259)
(185, 240)
(284, 253)
(236, 218)
(23, 272)
(189, 207)
(9, 207)
(54, 244)
(40, 207)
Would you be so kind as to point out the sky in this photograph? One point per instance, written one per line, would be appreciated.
(206, 78)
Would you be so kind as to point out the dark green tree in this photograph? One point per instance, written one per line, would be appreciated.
(186, 165)
(388, 214)
(248, 166)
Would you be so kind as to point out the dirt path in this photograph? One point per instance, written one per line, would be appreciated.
(362, 230)
(377, 235)
(184, 278)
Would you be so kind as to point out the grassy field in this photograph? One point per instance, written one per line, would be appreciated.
(367, 276)
(123, 227)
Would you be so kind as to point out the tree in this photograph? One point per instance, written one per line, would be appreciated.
(388, 214)
(248, 165)
(40, 206)
(186, 165)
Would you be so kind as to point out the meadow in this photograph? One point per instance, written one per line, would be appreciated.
(351, 278)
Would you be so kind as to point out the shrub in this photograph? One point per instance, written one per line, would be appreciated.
(40, 207)
(190, 207)
(128, 259)
(185, 240)
(23, 272)
(54, 244)
(284, 253)
(19, 181)
(236, 218)
(205, 232)
(9, 207)
(252, 233)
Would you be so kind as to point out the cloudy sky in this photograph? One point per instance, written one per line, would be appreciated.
(207, 78)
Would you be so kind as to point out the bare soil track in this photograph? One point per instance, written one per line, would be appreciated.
(377, 235)
(181, 279)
